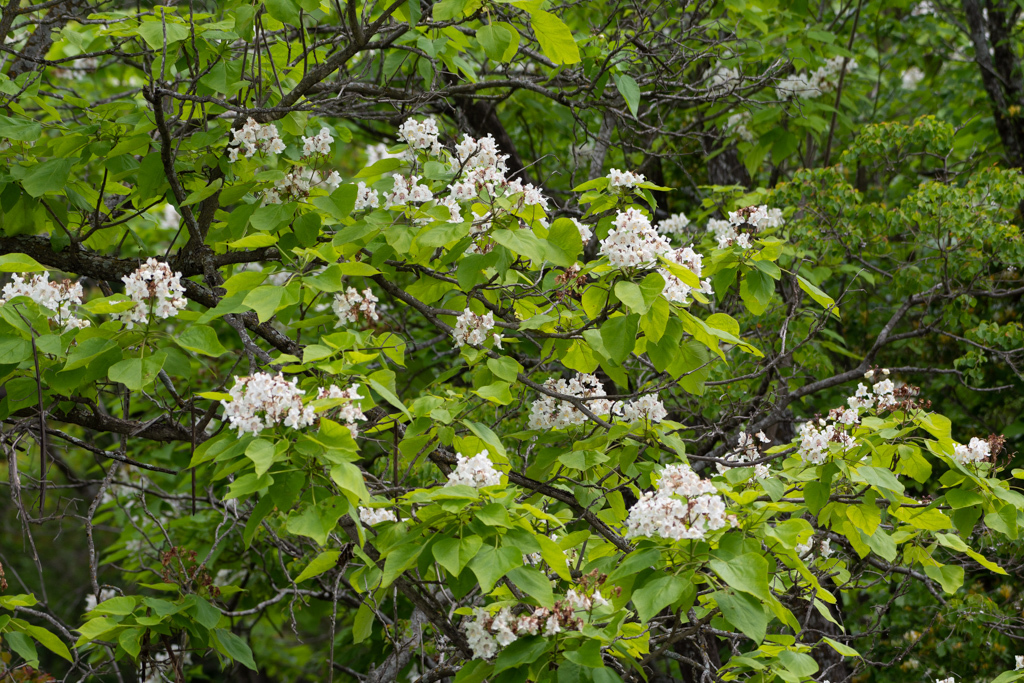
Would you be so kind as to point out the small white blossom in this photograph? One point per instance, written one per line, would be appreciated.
(366, 197)
(624, 179)
(407, 191)
(633, 242)
(549, 412)
(350, 412)
(674, 224)
(153, 287)
(471, 328)
(63, 298)
(318, 144)
(372, 516)
(421, 135)
(978, 450)
(664, 513)
(253, 138)
(262, 400)
(91, 601)
(350, 305)
(477, 471)
(647, 408)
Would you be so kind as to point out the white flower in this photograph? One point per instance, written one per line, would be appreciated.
(624, 179)
(407, 191)
(63, 298)
(675, 289)
(477, 471)
(366, 197)
(170, 219)
(724, 80)
(814, 442)
(548, 412)
(350, 305)
(253, 137)
(647, 408)
(278, 400)
(1019, 662)
(472, 329)
(375, 153)
(633, 242)
(349, 412)
(911, 78)
(742, 223)
(665, 514)
(674, 224)
(737, 123)
(585, 232)
(978, 450)
(372, 516)
(421, 135)
(746, 451)
(318, 144)
(824, 79)
(153, 287)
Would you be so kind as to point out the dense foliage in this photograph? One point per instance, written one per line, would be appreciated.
(506, 341)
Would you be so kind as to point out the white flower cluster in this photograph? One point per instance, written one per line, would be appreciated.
(372, 516)
(548, 412)
(349, 412)
(319, 143)
(279, 401)
(581, 602)
(585, 232)
(675, 289)
(674, 224)
(420, 135)
(366, 197)
(91, 601)
(747, 451)
(647, 408)
(406, 191)
(737, 123)
(684, 507)
(1018, 662)
(477, 471)
(483, 170)
(473, 329)
(978, 450)
(633, 242)
(742, 223)
(375, 153)
(62, 298)
(254, 138)
(624, 179)
(724, 80)
(815, 440)
(297, 183)
(880, 395)
(153, 287)
(170, 219)
(824, 547)
(350, 305)
(822, 80)
(487, 634)
(911, 78)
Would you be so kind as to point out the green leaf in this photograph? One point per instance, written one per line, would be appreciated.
(619, 336)
(495, 39)
(819, 296)
(388, 396)
(522, 651)
(261, 452)
(744, 612)
(19, 263)
(200, 339)
(534, 584)
(658, 594)
(321, 563)
(756, 290)
(629, 90)
(362, 624)
(629, 293)
(152, 31)
(227, 643)
(18, 129)
(555, 38)
(136, 373)
(949, 576)
(747, 573)
(399, 559)
(130, 639)
(49, 641)
(49, 176)
(490, 564)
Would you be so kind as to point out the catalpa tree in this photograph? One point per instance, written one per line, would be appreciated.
(316, 366)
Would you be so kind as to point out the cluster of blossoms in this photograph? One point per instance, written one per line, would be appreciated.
(880, 395)
(674, 225)
(471, 328)
(815, 439)
(484, 169)
(297, 183)
(319, 143)
(273, 396)
(581, 602)
(91, 601)
(487, 634)
(379, 152)
(420, 135)
(170, 219)
(822, 80)
(366, 197)
(743, 223)
(978, 450)
(911, 78)
(724, 80)
(350, 305)
(633, 242)
(372, 516)
(647, 408)
(154, 286)
(81, 67)
(550, 413)
(349, 412)
(477, 471)
(737, 123)
(684, 507)
(624, 179)
(253, 138)
(747, 451)
(62, 298)
(675, 289)
(406, 191)
(824, 547)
